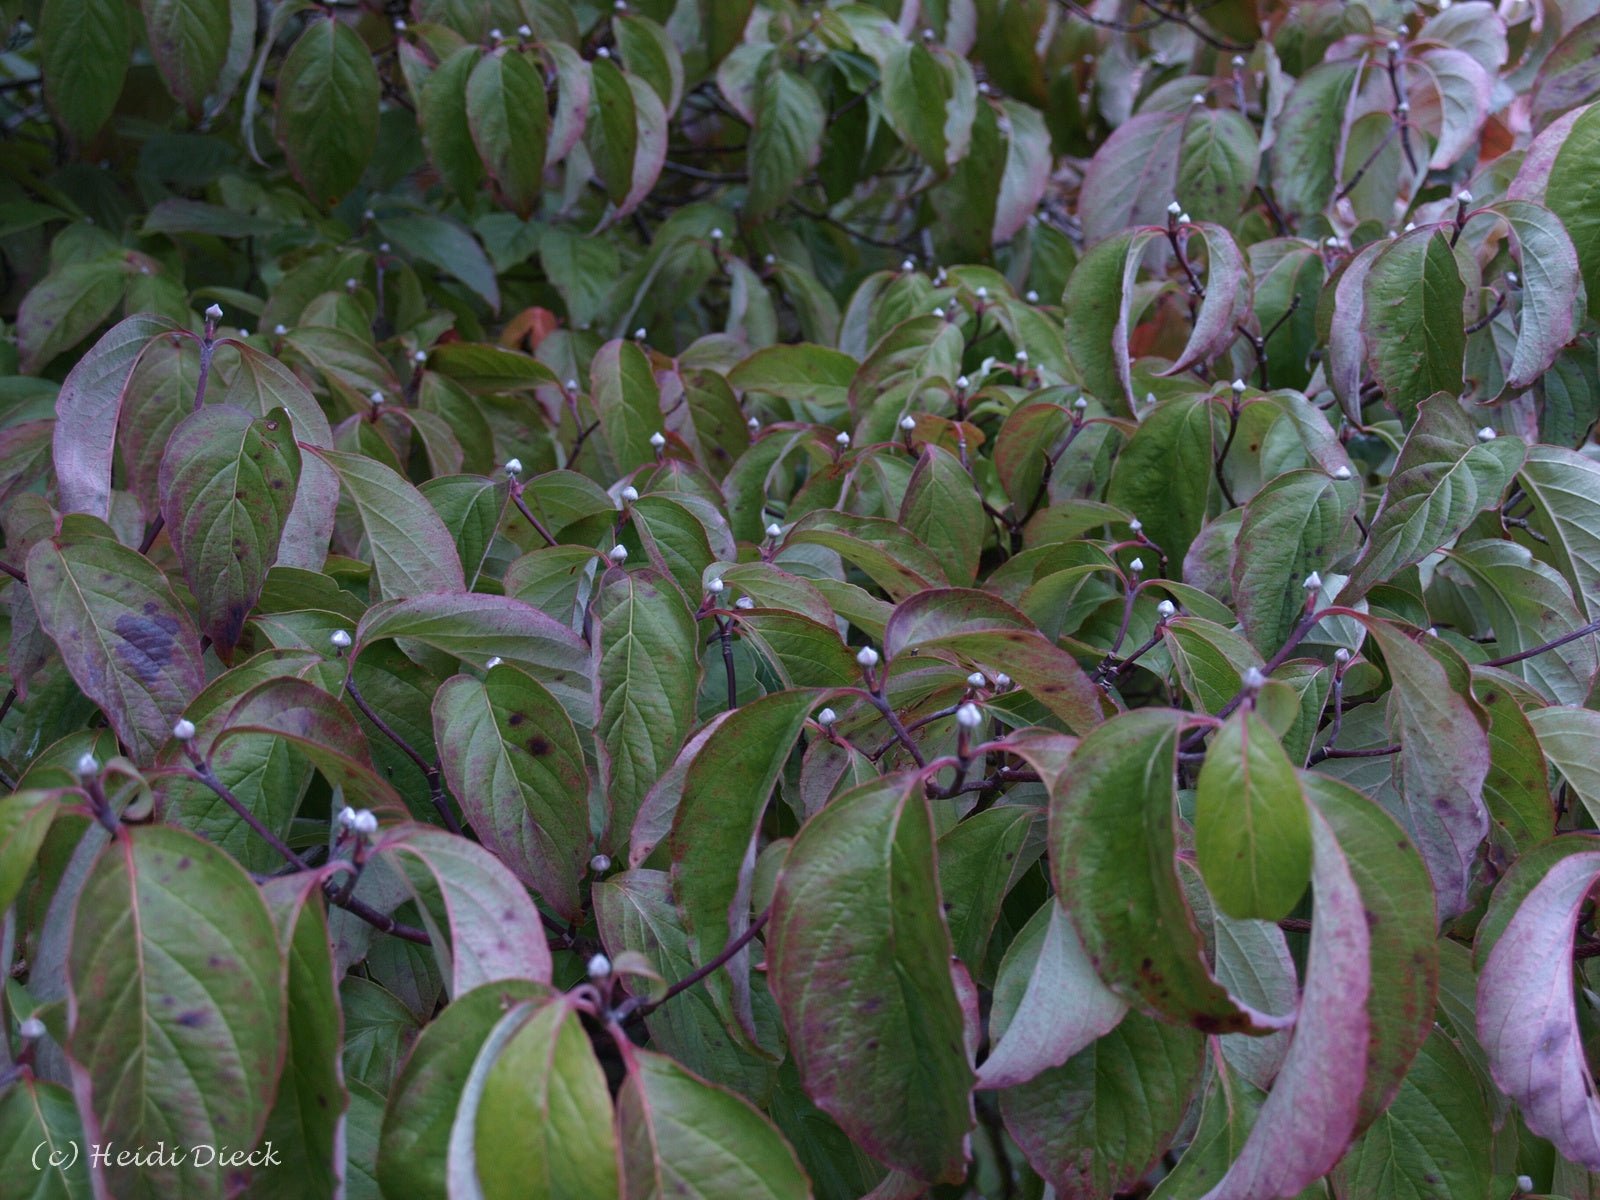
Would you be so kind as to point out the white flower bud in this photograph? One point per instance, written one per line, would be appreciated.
(420, 357)
(1185, 219)
(754, 424)
(1525, 1183)
(1080, 404)
(494, 661)
(1002, 681)
(639, 333)
(1032, 297)
(513, 466)
(399, 24)
(769, 259)
(962, 382)
(1341, 472)
(346, 816)
(375, 399)
(827, 717)
(280, 330)
(908, 422)
(938, 312)
(1312, 582)
(1410, 225)
(183, 730)
(214, 312)
(364, 823)
(32, 1029)
(969, 716)
(1174, 208)
(1487, 434)
(572, 385)
(716, 235)
(600, 864)
(1253, 679)
(243, 332)
(599, 967)
(1167, 610)
(1332, 243)
(908, 265)
(88, 766)
(494, 35)
(1393, 47)
(1022, 356)
(618, 554)
(630, 493)
(982, 292)
(602, 53)
(976, 679)
(658, 439)
(774, 531)
(1341, 655)
(525, 31)
(1432, 631)
(1465, 197)
(1238, 386)
(340, 639)
(351, 284)
(715, 586)
(842, 438)
(1238, 60)
(1136, 565)
(867, 657)
(383, 247)
(1135, 525)
(744, 602)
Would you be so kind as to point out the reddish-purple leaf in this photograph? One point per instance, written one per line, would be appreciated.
(1527, 1017)
(1224, 305)
(1130, 179)
(1309, 1117)
(87, 408)
(483, 924)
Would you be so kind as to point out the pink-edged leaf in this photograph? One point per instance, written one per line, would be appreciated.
(1443, 761)
(1550, 284)
(659, 809)
(1048, 1002)
(1027, 172)
(1533, 176)
(483, 924)
(476, 627)
(1310, 1115)
(1527, 1017)
(1130, 179)
(713, 840)
(123, 635)
(1457, 102)
(650, 150)
(87, 408)
(1225, 303)
(859, 962)
(1347, 346)
(1113, 847)
(512, 758)
(1099, 301)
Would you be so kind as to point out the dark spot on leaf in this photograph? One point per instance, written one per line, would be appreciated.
(516, 718)
(193, 1019)
(538, 747)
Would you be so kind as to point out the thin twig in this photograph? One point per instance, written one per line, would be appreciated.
(430, 771)
(633, 1008)
(1591, 627)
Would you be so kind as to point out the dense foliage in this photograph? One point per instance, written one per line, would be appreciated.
(732, 599)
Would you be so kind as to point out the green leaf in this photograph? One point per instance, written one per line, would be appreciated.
(786, 141)
(1566, 735)
(1412, 320)
(39, 1118)
(1129, 180)
(484, 368)
(859, 961)
(1164, 475)
(477, 627)
(681, 1136)
(1098, 301)
(327, 120)
(412, 552)
(896, 560)
(227, 483)
(628, 402)
(510, 124)
(980, 860)
(544, 1126)
(1571, 194)
(941, 507)
(1094, 1126)
(1252, 833)
(612, 133)
(930, 98)
(1306, 151)
(1217, 164)
(306, 1124)
(66, 306)
(84, 50)
(25, 818)
(481, 921)
(122, 634)
(446, 130)
(1433, 1140)
(1443, 478)
(470, 507)
(1549, 268)
(422, 1102)
(1565, 488)
(177, 994)
(443, 243)
(513, 760)
(713, 839)
(1299, 523)
(646, 676)
(1112, 847)
(189, 41)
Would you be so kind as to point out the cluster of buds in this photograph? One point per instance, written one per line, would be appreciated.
(359, 821)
